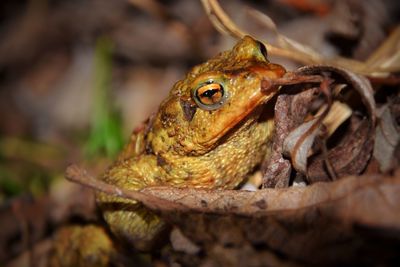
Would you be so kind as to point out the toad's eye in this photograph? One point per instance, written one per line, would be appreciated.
(210, 96)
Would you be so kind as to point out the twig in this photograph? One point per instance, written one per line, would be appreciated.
(292, 78)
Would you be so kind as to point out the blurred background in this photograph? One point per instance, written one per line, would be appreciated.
(76, 77)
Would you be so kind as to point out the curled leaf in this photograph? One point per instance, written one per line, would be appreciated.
(352, 153)
(298, 143)
(358, 82)
(290, 110)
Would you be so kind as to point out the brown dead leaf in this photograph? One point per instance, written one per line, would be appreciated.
(166, 199)
(381, 193)
(323, 224)
(387, 138)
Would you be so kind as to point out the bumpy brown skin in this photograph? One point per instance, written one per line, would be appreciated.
(186, 146)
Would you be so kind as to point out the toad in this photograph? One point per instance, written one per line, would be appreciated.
(211, 131)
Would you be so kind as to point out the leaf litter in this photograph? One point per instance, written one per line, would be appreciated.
(327, 129)
(329, 132)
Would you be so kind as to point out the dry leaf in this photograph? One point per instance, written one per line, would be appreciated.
(387, 138)
(383, 198)
(349, 156)
(323, 224)
(290, 110)
(359, 83)
(295, 139)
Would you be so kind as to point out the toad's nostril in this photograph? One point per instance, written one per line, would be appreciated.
(263, 49)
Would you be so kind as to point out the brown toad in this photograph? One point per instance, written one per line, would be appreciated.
(210, 132)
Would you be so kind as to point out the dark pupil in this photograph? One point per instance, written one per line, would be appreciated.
(209, 93)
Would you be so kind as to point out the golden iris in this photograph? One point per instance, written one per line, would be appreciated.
(210, 94)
